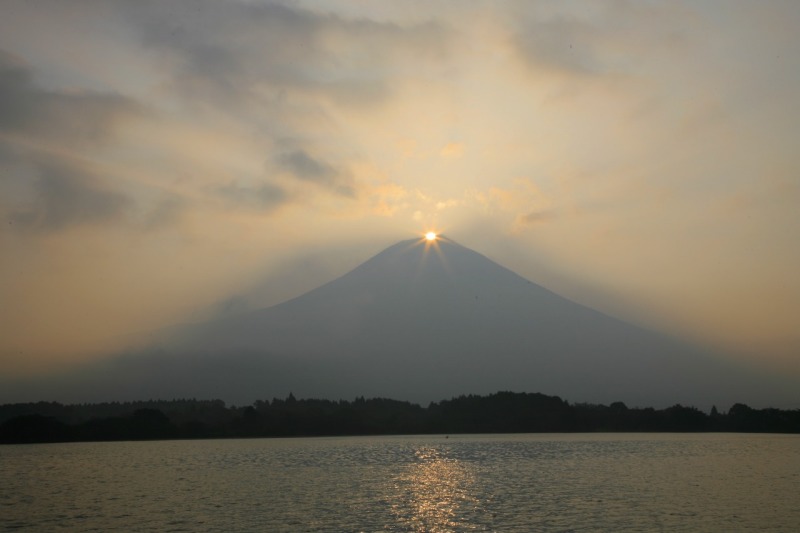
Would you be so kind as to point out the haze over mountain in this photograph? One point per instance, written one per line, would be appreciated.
(420, 321)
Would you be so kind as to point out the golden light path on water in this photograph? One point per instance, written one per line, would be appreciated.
(434, 493)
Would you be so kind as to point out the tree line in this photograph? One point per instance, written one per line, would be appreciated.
(501, 412)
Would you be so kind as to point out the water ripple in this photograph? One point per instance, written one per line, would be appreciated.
(409, 484)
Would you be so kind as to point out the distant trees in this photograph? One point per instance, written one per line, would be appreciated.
(501, 412)
(29, 428)
(746, 419)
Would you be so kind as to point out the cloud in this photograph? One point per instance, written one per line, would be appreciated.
(452, 150)
(303, 166)
(197, 131)
(166, 212)
(263, 197)
(561, 45)
(534, 218)
(522, 196)
(49, 186)
(253, 52)
(386, 198)
(276, 71)
(68, 117)
(447, 204)
(67, 196)
(16, 101)
(587, 40)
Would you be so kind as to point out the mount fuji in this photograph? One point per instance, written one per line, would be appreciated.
(423, 321)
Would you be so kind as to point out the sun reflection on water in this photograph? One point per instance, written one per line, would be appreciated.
(434, 493)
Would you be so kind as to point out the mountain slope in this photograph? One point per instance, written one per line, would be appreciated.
(423, 322)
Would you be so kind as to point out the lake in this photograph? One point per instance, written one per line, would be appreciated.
(532, 482)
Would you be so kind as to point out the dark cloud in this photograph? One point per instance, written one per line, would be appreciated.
(60, 191)
(241, 52)
(165, 213)
(262, 197)
(562, 45)
(536, 217)
(303, 166)
(68, 196)
(277, 68)
(16, 102)
(67, 117)
(610, 39)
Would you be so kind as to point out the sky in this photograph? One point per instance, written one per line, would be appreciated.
(172, 162)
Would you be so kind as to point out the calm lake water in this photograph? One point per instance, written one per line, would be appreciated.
(581, 482)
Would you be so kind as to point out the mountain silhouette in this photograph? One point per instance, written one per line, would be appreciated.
(424, 321)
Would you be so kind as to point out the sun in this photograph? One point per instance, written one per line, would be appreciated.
(430, 236)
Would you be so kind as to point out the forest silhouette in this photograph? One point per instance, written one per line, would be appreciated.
(501, 412)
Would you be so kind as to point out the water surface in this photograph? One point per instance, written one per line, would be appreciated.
(576, 482)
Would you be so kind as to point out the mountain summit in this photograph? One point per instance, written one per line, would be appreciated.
(416, 297)
(424, 321)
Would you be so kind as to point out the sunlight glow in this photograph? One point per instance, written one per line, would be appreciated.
(432, 241)
(435, 493)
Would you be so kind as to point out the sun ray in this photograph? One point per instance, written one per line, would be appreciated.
(431, 240)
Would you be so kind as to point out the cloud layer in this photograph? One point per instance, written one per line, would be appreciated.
(160, 159)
